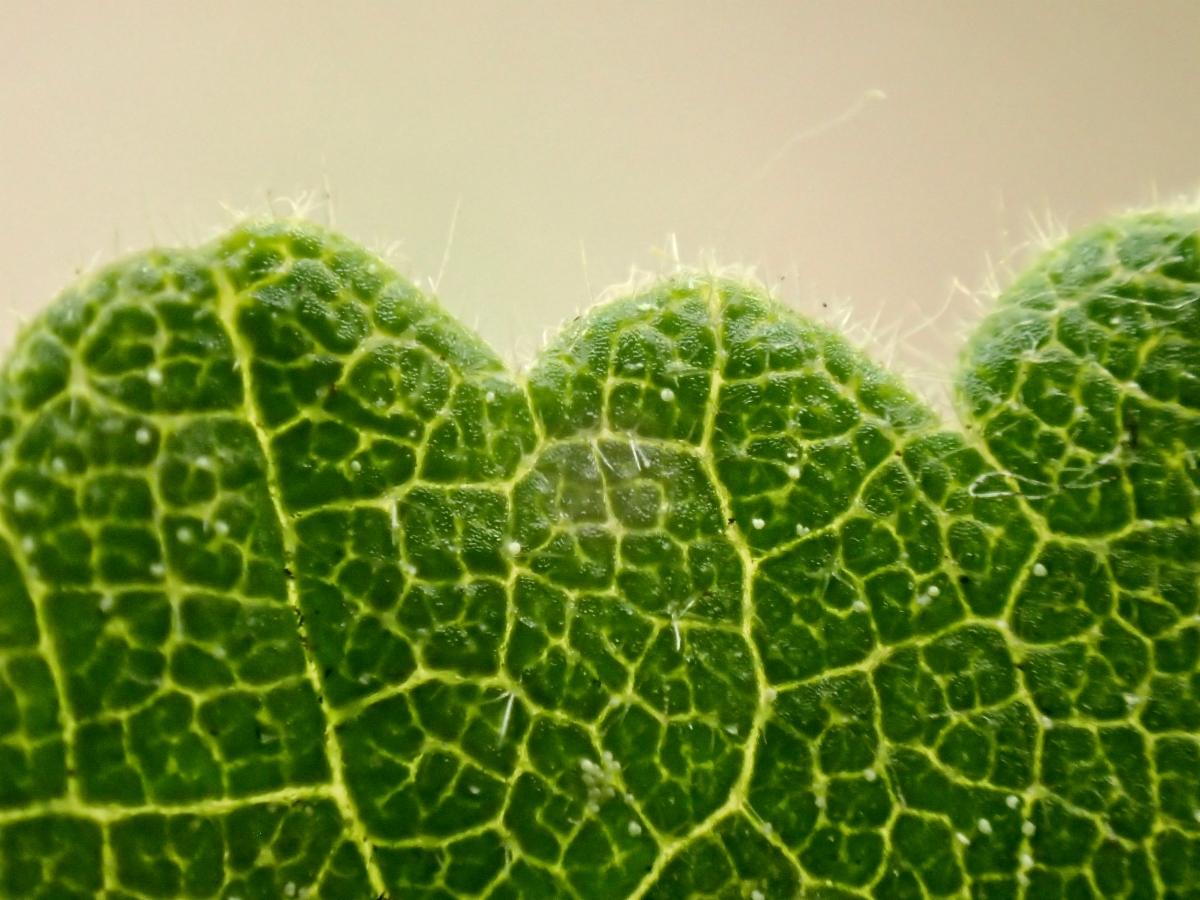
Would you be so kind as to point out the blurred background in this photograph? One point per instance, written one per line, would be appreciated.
(884, 164)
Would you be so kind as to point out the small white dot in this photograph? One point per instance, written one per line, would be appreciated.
(219, 652)
(106, 603)
(820, 801)
(924, 600)
(1026, 860)
(635, 829)
(985, 827)
(58, 464)
(1131, 699)
(801, 530)
(514, 547)
(290, 889)
(184, 535)
(1047, 722)
(757, 895)
(21, 499)
(203, 462)
(474, 789)
(490, 396)
(28, 544)
(1039, 570)
(767, 828)
(933, 590)
(770, 694)
(1196, 814)
(355, 465)
(870, 775)
(1028, 828)
(732, 729)
(157, 569)
(1013, 801)
(667, 394)
(142, 436)
(961, 838)
(859, 606)
(793, 472)
(154, 377)
(758, 523)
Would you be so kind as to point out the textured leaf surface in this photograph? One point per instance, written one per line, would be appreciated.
(303, 594)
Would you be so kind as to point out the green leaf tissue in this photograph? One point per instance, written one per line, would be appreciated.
(304, 594)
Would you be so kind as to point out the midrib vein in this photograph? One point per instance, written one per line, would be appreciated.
(737, 799)
(227, 310)
(107, 813)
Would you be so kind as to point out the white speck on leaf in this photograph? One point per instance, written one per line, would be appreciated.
(1039, 570)
(507, 716)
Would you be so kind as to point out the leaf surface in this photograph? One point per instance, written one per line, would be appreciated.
(304, 594)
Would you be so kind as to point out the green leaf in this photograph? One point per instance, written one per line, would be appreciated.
(304, 594)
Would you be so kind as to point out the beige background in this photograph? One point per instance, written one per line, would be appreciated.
(755, 133)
